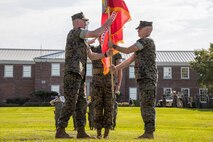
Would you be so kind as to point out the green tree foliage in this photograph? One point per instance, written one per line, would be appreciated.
(203, 64)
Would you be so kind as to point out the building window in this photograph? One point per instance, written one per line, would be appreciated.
(203, 92)
(8, 71)
(26, 71)
(184, 72)
(131, 72)
(55, 69)
(167, 73)
(133, 93)
(186, 92)
(55, 88)
(89, 69)
(167, 91)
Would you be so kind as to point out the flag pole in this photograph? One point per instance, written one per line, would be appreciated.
(112, 76)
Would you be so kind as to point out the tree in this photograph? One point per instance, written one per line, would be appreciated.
(203, 64)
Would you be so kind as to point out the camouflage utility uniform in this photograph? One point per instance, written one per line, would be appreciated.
(102, 94)
(58, 106)
(146, 77)
(74, 79)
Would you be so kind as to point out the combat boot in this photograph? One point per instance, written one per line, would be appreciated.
(147, 135)
(60, 133)
(81, 134)
(99, 135)
(106, 133)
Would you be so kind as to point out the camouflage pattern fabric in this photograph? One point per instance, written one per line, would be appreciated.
(74, 120)
(74, 93)
(148, 99)
(98, 63)
(91, 115)
(102, 94)
(103, 101)
(145, 66)
(74, 79)
(57, 112)
(75, 53)
(146, 76)
(115, 112)
(58, 106)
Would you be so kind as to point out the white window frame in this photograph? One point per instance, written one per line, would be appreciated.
(183, 73)
(167, 72)
(55, 88)
(55, 69)
(188, 90)
(27, 71)
(89, 69)
(8, 71)
(202, 94)
(131, 72)
(133, 93)
(165, 91)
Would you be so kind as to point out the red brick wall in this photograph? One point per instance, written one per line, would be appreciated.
(17, 86)
(126, 83)
(176, 83)
(43, 73)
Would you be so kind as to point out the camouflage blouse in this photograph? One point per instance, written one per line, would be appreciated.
(98, 63)
(75, 53)
(145, 65)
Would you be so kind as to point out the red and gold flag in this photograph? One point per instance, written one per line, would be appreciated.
(119, 9)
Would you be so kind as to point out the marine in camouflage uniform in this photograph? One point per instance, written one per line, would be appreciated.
(74, 74)
(145, 74)
(58, 106)
(102, 95)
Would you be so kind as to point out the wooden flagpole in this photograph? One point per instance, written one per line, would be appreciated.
(112, 76)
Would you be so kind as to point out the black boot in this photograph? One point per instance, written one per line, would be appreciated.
(99, 135)
(81, 134)
(60, 133)
(147, 135)
(106, 133)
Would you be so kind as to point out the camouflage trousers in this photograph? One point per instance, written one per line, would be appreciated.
(91, 116)
(147, 90)
(114, 120)
(57, 112)
(75, 100)
(103, 101)
(115, 112)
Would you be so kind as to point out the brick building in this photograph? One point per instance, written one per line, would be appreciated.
(23, 71)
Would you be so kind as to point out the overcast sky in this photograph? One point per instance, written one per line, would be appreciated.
(178, 24)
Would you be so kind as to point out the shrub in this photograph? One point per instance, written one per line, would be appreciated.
(35, 104)
(18, 101)
(136, 103)
(43, 96)
(123, 104)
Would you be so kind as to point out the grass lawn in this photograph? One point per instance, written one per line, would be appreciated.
(172, 125)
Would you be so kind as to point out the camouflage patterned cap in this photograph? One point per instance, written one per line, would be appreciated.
(144, 24)
(79, 16)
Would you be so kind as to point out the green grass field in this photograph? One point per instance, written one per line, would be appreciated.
(172, 125)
